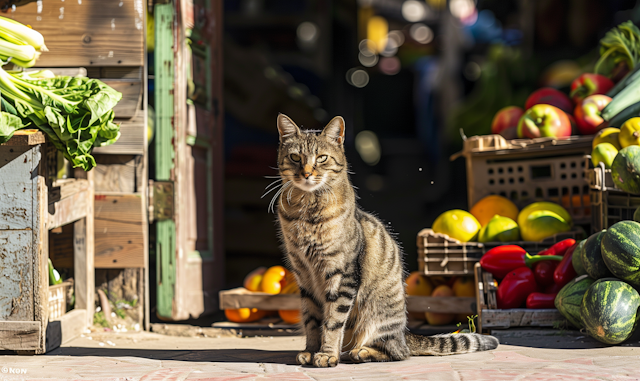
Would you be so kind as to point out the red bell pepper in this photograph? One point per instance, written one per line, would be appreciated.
(543, 271)
(516, 287)
(559, 248)
(538, 300)
(502, 259)
(589, 84)
(565, 272)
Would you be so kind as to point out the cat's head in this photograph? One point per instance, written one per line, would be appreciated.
(310, 159)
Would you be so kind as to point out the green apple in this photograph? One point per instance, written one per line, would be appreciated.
(499, 229)
(605, 153)
(544, 120)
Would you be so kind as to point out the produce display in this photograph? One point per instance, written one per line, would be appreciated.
(274, 280)
(569, 299)
(419, 284)
(497, 219)
(76, 113)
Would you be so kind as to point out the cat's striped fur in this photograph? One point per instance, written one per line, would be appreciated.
(348, 267)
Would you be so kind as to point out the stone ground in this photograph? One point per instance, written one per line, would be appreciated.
(522, 355)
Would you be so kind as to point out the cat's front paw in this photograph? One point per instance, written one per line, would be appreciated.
(304, 358)
(359, 355)
(323, 360)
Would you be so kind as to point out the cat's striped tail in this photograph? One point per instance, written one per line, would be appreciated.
(448, 344)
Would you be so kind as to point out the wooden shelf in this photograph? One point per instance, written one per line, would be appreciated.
(25, 138)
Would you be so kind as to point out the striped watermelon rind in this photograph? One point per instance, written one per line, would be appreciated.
(576, 258)
(625, 169)
(621, 251)
(592, 260)
(569, 299)
(609, 310)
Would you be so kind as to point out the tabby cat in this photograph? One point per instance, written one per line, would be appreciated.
(348, 267)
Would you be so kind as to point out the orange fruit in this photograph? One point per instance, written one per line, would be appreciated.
(290, 316)
(244, 315)
(273, 280)
(418, 285)
(491, 205)
(464, 286)
(434, 318)
(253, 279)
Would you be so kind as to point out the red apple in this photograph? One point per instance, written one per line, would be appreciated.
(588, 113)
(505, 122)
(544, 120)
(589, 84)
(550, 96)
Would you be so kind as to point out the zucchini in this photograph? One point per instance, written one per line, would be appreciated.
(624, 115)
(625, 98)
(624, 82)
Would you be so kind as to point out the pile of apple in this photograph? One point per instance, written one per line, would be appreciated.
(551, 113)
(274, 280)
(419, 284)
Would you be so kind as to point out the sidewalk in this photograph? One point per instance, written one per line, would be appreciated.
(524, 355)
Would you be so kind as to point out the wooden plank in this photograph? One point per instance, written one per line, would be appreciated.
(65, 328)
(25, 138)
(119, 231)
(41, 253)
(131, 100)
(87, 33)
(242, 298)
(69, 209)
(520, 317)
(454, 305)
(83, 264)
(64, 188)
(20, 335)
(118, 173)
(132, 138)
(16, 275)
(17, 192)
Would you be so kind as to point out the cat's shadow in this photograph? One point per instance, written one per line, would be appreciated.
(283, 357)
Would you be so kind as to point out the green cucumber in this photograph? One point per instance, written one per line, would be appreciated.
(624, 115)
(628, 96)
(624, 82)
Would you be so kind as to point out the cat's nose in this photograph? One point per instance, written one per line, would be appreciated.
(306, 174)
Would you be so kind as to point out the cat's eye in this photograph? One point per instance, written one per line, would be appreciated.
(322, 158)
(295, 157)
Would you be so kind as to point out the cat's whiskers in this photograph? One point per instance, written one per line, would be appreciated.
(275, 197)
(272, 189)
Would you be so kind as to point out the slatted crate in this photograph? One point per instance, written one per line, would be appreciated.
(490, 317)
(609, 204)
(439, 254)
(528, 170)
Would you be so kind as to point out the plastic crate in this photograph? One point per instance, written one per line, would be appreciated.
(439, 254)
(608, 203)
(528, 170)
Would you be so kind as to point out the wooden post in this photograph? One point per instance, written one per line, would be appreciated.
(83, 258)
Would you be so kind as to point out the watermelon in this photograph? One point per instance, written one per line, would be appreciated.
(609, 310)
(576, 258)
(592, 257)
(621, 251)
(625, 170)
(569, 299)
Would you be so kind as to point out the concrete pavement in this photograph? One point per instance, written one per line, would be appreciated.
(524, 355)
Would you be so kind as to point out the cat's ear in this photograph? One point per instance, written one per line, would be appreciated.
(287, 128)
(334, 130)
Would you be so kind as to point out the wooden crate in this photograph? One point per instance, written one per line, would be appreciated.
(59, 298)
(490, 317)
(439, 254)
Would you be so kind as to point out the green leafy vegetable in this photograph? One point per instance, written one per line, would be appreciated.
(620, 44)
(76, 113)
(8, 125)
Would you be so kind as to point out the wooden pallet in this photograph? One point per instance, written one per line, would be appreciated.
(489, 316)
